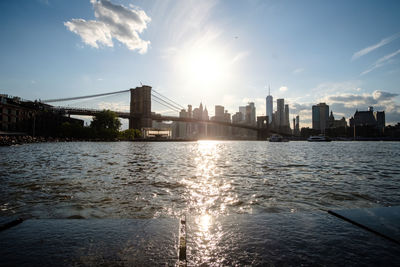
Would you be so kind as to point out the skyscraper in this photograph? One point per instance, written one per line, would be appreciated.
(251, 113)
(269, 105)
(219, 113)
(280, 112)
(320, 117)
(287, 115)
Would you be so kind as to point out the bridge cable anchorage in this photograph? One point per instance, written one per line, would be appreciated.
(181, 107)
(82, 97)
(166, 103)
(169, 108)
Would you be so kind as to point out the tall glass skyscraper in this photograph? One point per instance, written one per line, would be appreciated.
(320, 117)
(280, 112)
(269, 105)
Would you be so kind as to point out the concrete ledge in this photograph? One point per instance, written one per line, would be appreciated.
(316, 238)
(90, 242)
(285, 239)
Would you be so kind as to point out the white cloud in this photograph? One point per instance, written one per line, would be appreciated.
(346, 104)
(112, 21)
(283, 88)
(381, 62)
(371, 48)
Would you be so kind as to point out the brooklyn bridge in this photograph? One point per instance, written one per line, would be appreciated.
(141, 116)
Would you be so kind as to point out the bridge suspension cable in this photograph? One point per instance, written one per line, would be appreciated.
(178, 105)
(82, 97)
(165, 103)
(169, 109)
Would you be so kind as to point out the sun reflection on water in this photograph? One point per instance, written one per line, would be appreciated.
(209, 194)
(208, 191)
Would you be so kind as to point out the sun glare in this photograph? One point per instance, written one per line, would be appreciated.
(204, 66)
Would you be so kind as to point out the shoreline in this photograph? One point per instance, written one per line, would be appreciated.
(10, 140)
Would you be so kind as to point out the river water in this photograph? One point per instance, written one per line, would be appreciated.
(168, 179)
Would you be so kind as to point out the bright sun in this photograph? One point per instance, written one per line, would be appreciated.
(204, 66)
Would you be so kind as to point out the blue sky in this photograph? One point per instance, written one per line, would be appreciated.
(345, 53)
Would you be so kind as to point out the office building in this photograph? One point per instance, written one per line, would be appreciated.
(280, 112)
(320, 117)
(287, 115)
(269, 106)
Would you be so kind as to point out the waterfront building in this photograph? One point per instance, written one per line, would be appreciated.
(294, 125)
(297, 128)
(219, 113)
(287, 115)
(320, 117)
(336, 123)
(14, 113)
(205, 114)
(199, 130)
(190, 112)
(369, 118)
(269, 106)
(280, 112)
(180, 128)
(237, 117)
(35, 118)
(242, 109)
(250, 115)
(218, 130)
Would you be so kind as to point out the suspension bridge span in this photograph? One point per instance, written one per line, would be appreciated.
(140, 114)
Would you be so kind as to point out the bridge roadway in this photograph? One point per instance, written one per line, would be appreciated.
(156, 117)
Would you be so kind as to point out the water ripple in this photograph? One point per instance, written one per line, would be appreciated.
(145, 180)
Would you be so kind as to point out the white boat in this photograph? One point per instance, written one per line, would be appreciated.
(278, 138)
(319, 138)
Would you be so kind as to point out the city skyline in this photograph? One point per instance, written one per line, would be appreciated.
(227, 55)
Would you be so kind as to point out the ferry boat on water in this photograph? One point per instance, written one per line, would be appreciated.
(319, 138)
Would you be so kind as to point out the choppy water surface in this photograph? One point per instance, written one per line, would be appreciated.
(146, 180)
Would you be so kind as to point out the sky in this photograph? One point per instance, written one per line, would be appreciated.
(343, 53)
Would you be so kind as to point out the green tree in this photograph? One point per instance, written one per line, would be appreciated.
(129, 134)
(106, 119)
(106, 124)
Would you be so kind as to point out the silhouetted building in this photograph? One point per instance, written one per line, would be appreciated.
(369, 119)
(34, 118)
(320, 117)
(269, 106)
(280, 113)
(287, 116)
(242, 109)
(336, 123)
(219, 113)
(294, 125)
(15, 113)
(251, 114)
(237, 117)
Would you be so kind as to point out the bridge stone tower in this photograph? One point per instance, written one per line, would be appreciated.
(140, 109)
